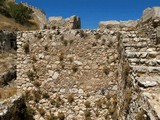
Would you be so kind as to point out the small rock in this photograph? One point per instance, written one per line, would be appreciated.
(78, 62)
(55, 76)
(41, 55)
(62, 90)
(80, 91)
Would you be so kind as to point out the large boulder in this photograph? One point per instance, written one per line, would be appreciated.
(151, 13)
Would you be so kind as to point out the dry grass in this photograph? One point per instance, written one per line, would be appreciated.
(5, 58)
(61, 116)
(70, 98)
(26, 47)
(3, 67)
(87, 104)
(7, 92)
(10, 24)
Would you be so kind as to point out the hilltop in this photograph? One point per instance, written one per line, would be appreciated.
(11, 12)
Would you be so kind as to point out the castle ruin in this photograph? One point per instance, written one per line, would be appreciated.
(108, 73)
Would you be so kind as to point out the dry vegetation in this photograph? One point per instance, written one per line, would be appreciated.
(7, 92)
(6, 60)
(10, 24)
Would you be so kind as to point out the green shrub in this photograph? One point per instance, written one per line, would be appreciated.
(2, 2)
(46, 47)
(75, 68)
(41, 111)
(61, 57)
(39, 36)
(87, 104)
(127, 98)
(99, 103)
(53, 102)
(106, 70)
(50, 37)
(65, 42)
(87, 114)
(94, 44)
(97, 36)
(70, 41)
(36, 84)
(61, 116)
(30, 75)
(37, 96)
(57, 102)
(20, 12)
(26, 48)
(45, 95)
(33, 58)
(62, 65)
(70, 98)
(51, 117)
(70, 59)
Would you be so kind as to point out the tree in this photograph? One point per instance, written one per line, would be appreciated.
(20, 12)
(1, 2)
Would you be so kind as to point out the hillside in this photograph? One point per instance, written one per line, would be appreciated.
(10, 24)
(20, 16)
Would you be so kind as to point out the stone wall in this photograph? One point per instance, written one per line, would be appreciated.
(71, 73)
(91, 74)
(139, 77)
(118, 25)
(79, 74)
(69, 23)
(7, 41)
(149, 23)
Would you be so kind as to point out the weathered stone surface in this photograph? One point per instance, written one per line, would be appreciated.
(151, 13)
(81, 70)
(149, 81)
(69, 23)
(117, 24)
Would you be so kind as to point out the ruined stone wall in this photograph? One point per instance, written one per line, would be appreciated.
(74, 71)
(150, 24)
(118, 25)
(72, 22)
(139, 77)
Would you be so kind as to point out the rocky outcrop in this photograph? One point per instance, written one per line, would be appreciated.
(69, 23)
(151, 13)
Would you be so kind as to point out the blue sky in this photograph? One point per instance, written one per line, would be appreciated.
(93, 11)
